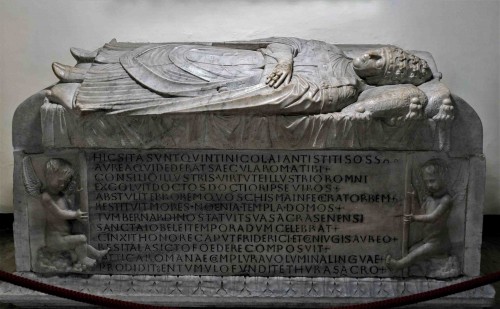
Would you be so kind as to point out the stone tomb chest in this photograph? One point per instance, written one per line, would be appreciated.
(272, 171)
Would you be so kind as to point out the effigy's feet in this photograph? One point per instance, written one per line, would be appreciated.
(69, 74)
(82, 55)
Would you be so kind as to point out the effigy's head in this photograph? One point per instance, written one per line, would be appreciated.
(390, 66)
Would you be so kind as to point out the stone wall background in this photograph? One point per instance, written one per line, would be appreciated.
(462, 35)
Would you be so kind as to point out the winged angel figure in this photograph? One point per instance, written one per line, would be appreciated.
(63, 251)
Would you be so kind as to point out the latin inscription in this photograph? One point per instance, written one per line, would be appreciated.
(258, 213)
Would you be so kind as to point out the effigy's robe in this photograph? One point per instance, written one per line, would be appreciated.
(228, 77)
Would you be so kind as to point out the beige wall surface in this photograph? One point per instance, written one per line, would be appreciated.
(462, 35)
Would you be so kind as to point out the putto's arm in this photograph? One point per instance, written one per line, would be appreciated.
(444, 206)
(49, 204)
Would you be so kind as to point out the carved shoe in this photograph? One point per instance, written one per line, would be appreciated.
(68, 74)
(82, 55)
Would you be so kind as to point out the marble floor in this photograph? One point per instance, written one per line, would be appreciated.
(490, 260)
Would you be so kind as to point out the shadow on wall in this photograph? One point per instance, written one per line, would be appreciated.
(6, 221)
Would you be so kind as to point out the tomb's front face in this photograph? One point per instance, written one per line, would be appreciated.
(248, 160)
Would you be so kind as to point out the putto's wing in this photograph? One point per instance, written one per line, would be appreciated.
(32, 183)
(457, 184)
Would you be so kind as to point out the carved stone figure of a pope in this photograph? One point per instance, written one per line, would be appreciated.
(287, 76)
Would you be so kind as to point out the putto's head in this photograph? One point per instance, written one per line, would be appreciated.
(58, 174)
(434, 175)
(390, 66)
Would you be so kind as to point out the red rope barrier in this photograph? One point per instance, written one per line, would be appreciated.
(432, 294)
(73, 295)
(114, 303)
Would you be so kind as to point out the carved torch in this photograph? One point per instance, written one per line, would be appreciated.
(407, 210)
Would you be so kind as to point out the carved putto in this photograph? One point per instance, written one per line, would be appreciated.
(63, 250)
(433, 250)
